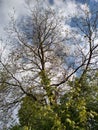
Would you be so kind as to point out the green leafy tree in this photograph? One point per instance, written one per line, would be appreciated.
(78, 109)
(79, 105)
(35, 116)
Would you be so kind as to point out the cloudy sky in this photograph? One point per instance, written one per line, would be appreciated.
(6, 6)
(64, 7)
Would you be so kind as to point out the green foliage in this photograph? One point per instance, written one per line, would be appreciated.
(16, 127)
(80, 105)
(78, 109)
(45, 82)
(44, 78)
(36, 116)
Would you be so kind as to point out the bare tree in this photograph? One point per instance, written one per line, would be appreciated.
(83, 36)
(39, 50)
(35, 58)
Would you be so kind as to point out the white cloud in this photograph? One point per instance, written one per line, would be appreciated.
(7, 8)
(66, 8)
